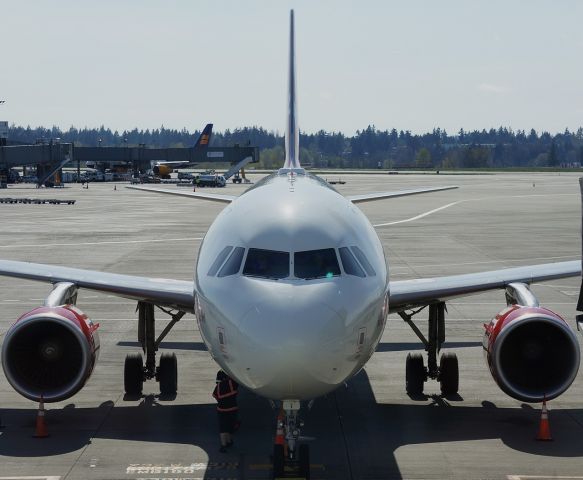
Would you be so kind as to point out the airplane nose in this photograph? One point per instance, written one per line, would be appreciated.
(289, 336)
(292, 324)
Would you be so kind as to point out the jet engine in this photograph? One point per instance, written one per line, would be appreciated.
(532, 353)
(50, 351)
(163, 171)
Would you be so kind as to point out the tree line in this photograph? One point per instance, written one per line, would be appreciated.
(367, 148)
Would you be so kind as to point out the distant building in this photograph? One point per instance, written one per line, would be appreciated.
(570, 165)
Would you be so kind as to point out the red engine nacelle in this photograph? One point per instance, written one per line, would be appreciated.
(50, 351)
(532, 353)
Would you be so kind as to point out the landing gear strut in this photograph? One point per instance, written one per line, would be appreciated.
(290, 460)
(135, 372)
(447, 373)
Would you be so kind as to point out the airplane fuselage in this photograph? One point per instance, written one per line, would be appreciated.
(291, 288)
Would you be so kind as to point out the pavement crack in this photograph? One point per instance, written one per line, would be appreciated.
(94, 434)
(344, 439)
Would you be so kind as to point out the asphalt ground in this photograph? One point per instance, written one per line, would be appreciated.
(368, 429)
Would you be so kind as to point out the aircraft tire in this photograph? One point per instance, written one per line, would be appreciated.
(449, 373)
(168, 374)
(133, 374)
(304, 458)
(415, 374)
(278, 461)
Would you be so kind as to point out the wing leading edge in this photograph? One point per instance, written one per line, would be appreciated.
(213, 197)
(406, 294)
(370, 197)
(177, 294)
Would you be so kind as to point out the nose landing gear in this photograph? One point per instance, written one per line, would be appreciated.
(290, 460)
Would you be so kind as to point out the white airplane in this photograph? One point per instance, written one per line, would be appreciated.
(291, 293)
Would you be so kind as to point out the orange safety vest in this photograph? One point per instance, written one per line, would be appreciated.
(225, 394)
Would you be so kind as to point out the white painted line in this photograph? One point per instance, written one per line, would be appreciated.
(106, 242)
(570, 293)
(419, 216)
(542, 477)
(435, 210)
(50, 477)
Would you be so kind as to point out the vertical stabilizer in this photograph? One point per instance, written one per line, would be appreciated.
(292, 134)
(205, 137)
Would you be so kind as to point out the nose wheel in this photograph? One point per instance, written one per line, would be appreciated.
(447, 372)
(290, 460)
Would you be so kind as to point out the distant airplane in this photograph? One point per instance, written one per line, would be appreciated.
(164, 169)
(291, 293)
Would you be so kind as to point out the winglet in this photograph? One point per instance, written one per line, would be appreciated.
(292, 134)
(205, 137)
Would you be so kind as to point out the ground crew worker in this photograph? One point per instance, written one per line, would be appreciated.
(225, 393)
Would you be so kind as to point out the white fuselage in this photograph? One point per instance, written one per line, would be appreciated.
(291, 338)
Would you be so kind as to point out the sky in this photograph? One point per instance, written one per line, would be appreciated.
(411, 65)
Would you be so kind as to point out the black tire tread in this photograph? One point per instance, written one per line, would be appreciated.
(415, 374)
(133, 374)
(278, 461)
(449, 374)
(168, 374)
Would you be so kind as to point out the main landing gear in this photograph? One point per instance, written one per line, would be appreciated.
(447, 373)
(290, 459)
(135, 372)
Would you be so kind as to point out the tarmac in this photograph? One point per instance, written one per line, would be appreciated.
(369, 428)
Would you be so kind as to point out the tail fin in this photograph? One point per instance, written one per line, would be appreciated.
(205, 137)
(292, 134)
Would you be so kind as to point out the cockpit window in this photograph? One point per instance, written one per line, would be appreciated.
(266, 264)
(351, 266)
(233, 264)
(363, 261)
(316, 264)
(219, 261)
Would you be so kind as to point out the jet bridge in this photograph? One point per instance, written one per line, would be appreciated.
(140, 159)
(51, 157)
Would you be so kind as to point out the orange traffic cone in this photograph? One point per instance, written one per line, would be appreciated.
(279, 436)
(41, 427)
(544, 429)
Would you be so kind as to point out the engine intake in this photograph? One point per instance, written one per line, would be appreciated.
(532, 353)
(50, 351)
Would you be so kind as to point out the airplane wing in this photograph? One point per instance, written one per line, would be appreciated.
(370, 197)
(175, 164)
(177, 294)
(213, 197)
(405, 294)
